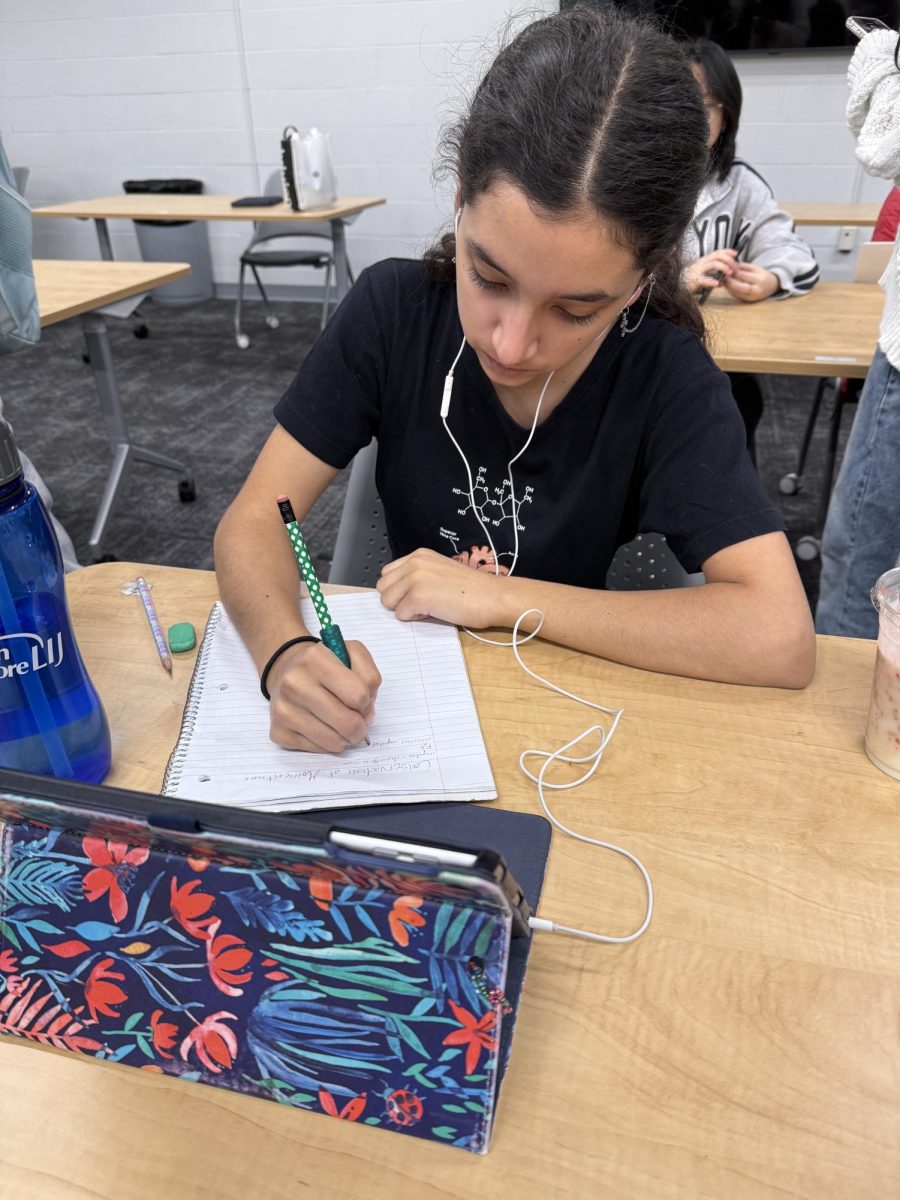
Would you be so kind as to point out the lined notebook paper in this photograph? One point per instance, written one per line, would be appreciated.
(426, 743)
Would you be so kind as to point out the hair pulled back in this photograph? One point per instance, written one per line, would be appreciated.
(724, 87)
(589, 109)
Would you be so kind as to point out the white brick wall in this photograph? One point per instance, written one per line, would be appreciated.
(96, 91)
(794, 133)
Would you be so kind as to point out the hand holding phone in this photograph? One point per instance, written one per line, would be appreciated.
(860, 26)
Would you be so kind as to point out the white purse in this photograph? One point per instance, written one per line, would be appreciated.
(307, 169)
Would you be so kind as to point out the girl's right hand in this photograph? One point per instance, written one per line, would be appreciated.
(709, 271)
(316, 703)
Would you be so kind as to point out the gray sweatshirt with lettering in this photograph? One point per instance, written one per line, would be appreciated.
(739, 213)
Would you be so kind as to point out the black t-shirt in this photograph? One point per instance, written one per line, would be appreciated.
(648, 440)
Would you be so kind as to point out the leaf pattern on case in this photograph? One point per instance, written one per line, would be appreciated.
(344, 991)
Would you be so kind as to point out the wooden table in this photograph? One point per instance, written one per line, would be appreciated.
(68, 288)
(213, 208)
(832, 330)
(832, 213)
(744, 1049)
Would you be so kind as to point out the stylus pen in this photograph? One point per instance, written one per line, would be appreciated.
(329, 632)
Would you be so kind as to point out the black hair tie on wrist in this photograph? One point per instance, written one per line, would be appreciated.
(278, 653)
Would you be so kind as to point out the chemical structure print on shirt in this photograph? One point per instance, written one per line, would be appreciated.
(495, 506)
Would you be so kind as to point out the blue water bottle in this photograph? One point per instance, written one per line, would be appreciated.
(51, 718)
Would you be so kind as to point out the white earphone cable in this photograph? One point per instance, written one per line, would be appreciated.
(560, 755)
(593, 758)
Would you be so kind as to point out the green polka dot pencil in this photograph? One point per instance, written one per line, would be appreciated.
(329, 632)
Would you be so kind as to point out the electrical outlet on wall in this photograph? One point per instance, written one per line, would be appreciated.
(847, 239)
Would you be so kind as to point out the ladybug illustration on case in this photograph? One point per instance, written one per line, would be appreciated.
(403, 1107)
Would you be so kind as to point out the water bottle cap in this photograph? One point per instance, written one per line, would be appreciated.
(10, 463)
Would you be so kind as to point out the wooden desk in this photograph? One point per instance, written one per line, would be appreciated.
(213, 208)
(838, 213)
(68, 288)
(833, 330)
(744, 1049)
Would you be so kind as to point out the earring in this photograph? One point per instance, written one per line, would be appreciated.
(623, 324)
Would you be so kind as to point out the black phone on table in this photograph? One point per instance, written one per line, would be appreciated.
(256, 202)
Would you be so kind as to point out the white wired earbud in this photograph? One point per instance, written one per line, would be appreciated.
(444, 411)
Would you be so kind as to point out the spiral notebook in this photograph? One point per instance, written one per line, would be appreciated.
(426, 742)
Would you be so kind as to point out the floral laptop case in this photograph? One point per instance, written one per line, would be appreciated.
(369, 990)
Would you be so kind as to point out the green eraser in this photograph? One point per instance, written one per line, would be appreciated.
(182, 637)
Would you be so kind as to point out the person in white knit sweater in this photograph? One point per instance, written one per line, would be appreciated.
(862, 532)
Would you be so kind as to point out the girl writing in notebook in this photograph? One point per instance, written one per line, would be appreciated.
(559, 306)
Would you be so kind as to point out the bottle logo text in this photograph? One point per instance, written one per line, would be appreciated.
(26, 653)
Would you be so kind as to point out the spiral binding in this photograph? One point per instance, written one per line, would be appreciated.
(172, 777)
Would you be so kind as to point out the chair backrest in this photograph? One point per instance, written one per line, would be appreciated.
(872, 261)
(648, 563)
(362, 548)
(21, 175)
(264, 231)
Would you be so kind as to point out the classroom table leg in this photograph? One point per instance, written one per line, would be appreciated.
(103, 238)
(106, 253)
(341, 264)
(97, 339)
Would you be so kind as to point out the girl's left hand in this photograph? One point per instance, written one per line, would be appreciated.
(750, 282)
(428, 584)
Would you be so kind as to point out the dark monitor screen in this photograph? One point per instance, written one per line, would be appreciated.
(763, 25)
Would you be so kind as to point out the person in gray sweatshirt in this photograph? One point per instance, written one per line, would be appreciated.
(739, 239)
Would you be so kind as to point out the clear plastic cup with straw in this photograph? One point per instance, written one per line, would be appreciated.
(883, 726)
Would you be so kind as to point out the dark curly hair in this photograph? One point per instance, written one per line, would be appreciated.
(589, 108)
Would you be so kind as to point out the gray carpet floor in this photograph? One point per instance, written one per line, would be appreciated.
(190, 392)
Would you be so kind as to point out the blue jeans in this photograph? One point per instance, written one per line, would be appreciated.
(862, 533)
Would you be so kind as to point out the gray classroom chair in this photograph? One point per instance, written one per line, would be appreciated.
(362, 546)
(646, 563)
(259, 253)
